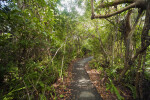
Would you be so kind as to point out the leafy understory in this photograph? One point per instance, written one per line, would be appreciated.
(39, 39)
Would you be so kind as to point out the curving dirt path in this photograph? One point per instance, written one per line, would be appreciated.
(82, 87)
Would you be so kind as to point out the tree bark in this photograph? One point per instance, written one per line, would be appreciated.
(138, 78)
(114, 3)
(142, 56)
(128, 44)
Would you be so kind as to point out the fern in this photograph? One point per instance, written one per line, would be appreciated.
(133, 89)
(9, 96)
(114, 90)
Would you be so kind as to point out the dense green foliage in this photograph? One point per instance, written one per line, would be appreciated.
(36, 46)
(111, 52)
(39, 38)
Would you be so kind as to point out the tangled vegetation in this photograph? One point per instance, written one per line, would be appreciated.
(39, 38)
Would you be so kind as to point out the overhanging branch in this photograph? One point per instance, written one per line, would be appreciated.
(114, 3)
(117, 12)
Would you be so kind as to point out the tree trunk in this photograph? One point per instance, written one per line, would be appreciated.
(144, 41)
(101, 45)
(138, 78)
(127, 42)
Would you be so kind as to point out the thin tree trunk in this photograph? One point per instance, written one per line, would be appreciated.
(138, 78)
(101, 45)
(142, 77)
(62, 64)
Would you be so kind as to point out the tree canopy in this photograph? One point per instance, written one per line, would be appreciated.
(40, 38)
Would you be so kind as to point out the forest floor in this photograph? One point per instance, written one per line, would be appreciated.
(82, 82)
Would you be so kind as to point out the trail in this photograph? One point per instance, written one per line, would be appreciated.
(82, 87)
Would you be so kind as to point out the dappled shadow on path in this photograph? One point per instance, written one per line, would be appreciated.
(82, 88)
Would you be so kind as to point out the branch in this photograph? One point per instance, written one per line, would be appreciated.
(26, 89)
(136, 22)
(92, 10)
(114, 3)
(50, 62)
(110, 21)
(140, 51)
(105, 54)
(117, 12)
(127, 21)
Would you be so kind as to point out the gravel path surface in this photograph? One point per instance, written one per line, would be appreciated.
(82, 88)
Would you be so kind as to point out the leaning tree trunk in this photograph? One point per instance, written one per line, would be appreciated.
(144, 42)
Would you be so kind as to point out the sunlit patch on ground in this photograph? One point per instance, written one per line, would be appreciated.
(86, 94)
